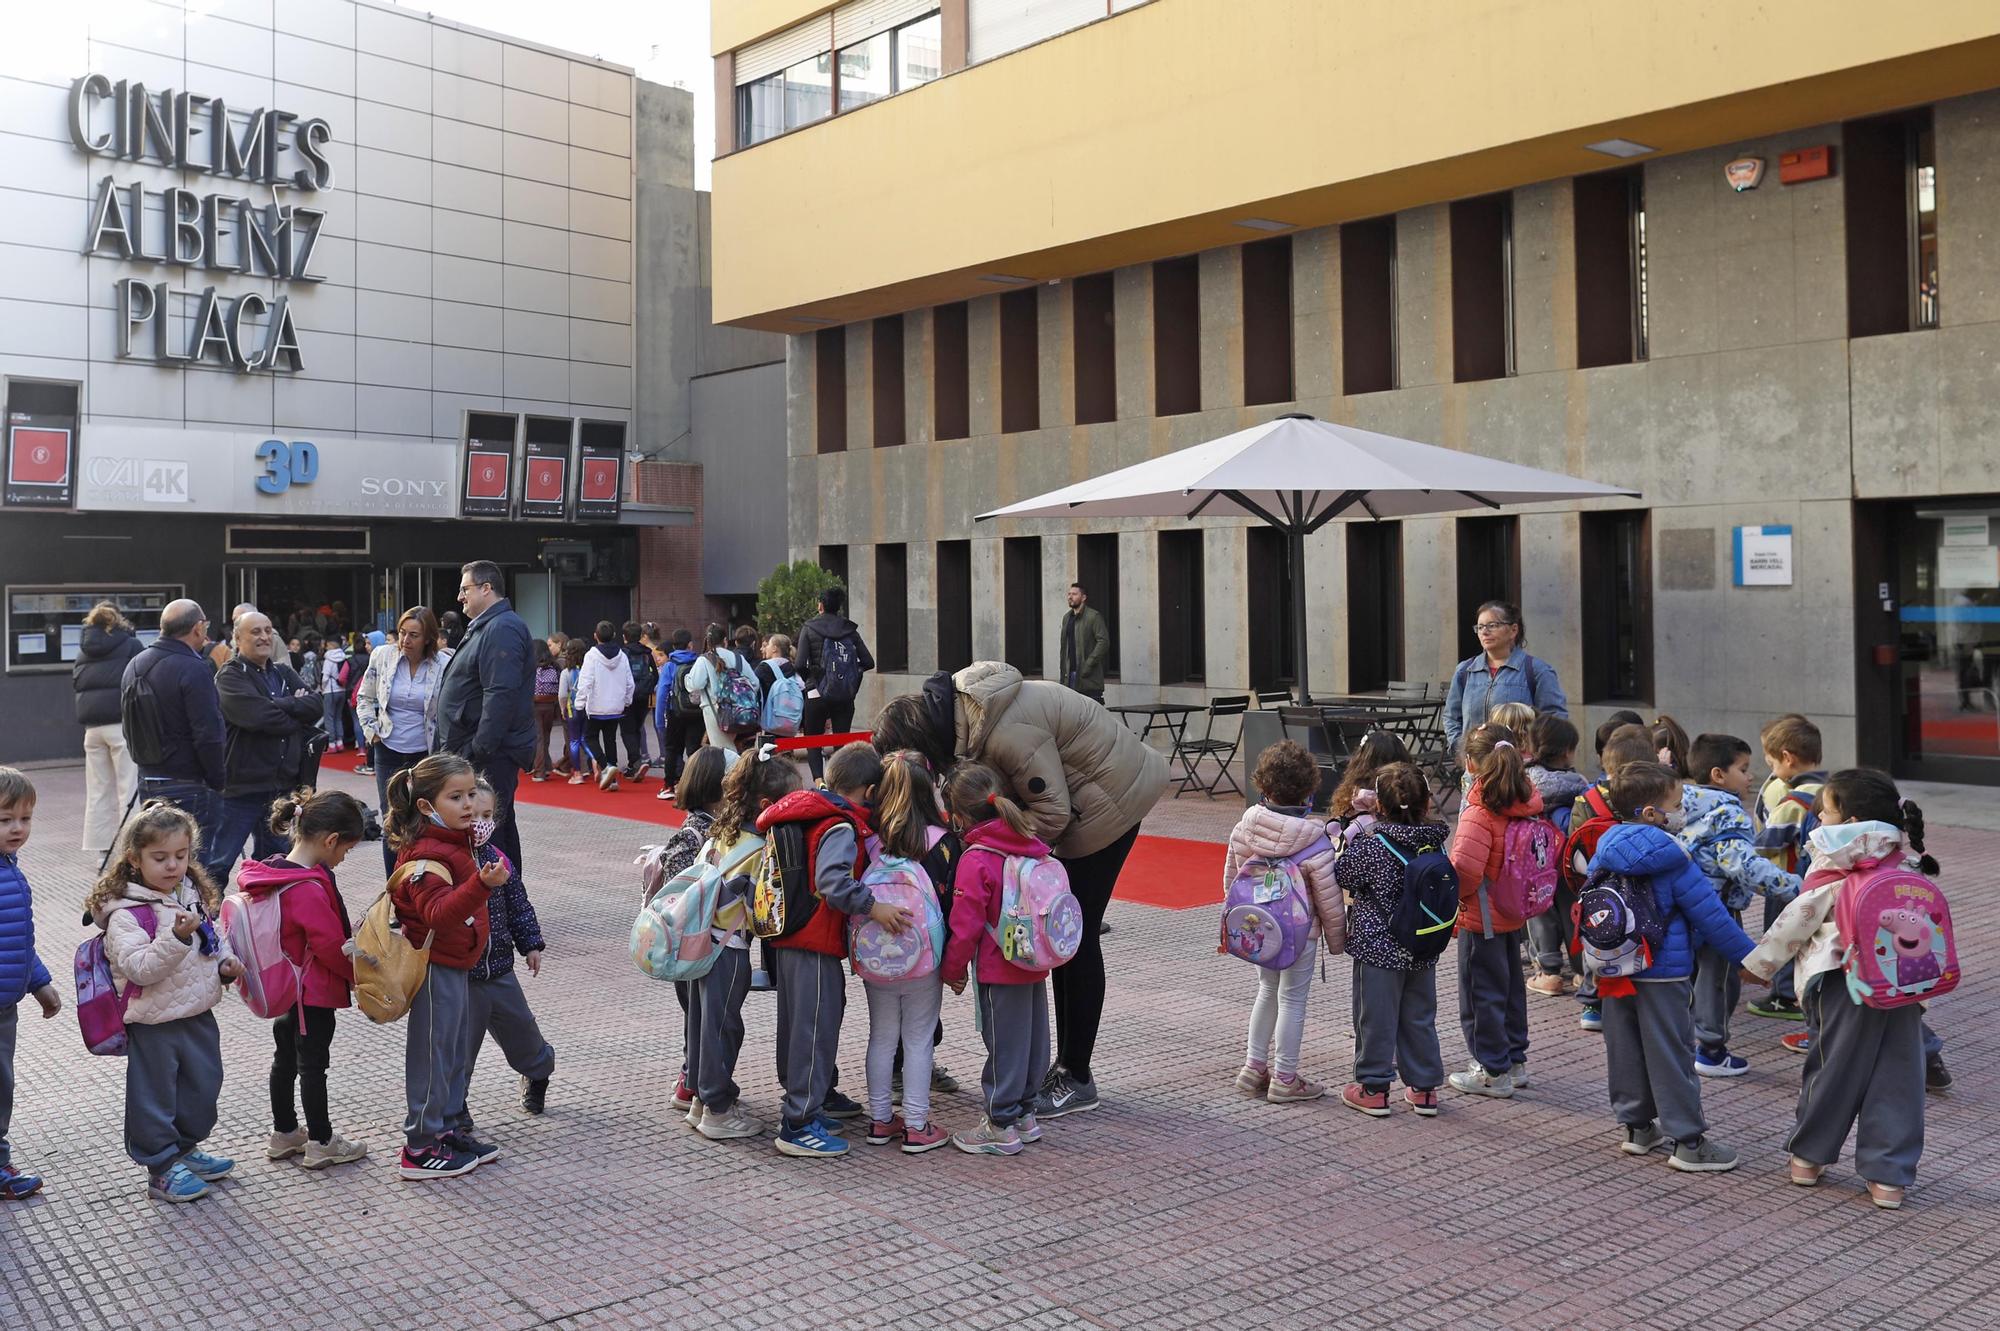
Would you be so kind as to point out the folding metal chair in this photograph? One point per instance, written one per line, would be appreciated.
(1269, 698)
(1208, 746)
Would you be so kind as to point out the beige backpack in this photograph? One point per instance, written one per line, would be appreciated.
(388, 969)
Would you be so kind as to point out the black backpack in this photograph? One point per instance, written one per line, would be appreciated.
(139, 708)
(1427, 908)
(645, 675)
(840, 668)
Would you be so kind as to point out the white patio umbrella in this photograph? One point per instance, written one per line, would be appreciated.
(1298, 473)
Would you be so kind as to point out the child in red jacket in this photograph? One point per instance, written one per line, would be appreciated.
(429, 819)
(1013, 1003)
(1492, 986)
(323, 828)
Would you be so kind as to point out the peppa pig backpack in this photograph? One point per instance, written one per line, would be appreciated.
(1895, 929)
(1041, 922)
(884, 957)
(100, 1008)
(1267, 916)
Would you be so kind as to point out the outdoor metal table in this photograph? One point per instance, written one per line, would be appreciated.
(1170, 717)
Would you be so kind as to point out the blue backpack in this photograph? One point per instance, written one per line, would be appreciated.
(1427, 908)
(1619, 920)
(785, 704)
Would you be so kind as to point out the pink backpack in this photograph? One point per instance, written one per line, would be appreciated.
(1530, 867)
(887, 958)
(272, 984)
(1896, 931)
(1041, 921)
(100, 1008)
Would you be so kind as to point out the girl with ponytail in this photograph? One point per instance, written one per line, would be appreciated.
(1863, 1063)
(1492, 986)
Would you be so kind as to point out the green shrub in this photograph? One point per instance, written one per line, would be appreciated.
(790, 596)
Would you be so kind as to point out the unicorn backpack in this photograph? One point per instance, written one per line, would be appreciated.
(1041, 922)
(887, 958)
(1267, 915)
(673, 937)
(1896, 934)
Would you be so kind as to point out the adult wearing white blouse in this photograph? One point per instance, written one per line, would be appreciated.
(397, 706)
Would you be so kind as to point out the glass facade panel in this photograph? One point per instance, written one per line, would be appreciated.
(867, 74)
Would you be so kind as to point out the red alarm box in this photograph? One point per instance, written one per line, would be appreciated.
(1803, 164)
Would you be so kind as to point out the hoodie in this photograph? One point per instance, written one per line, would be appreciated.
(833, 857)
(1688, 905)
(98, 673)
(178, 978)
(329, 667)
(812, 646)
(975, 906)
(678, 660)
(1722, 843)
(456, 910)
(1807, 931)
(1372, 877)
(315, 926)
(604, 685)
(1274, 832)
(1476, 849)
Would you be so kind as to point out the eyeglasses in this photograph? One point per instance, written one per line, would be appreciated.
(1492, 626)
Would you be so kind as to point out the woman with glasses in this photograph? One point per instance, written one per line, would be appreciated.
(1502, 672)
(397, 700)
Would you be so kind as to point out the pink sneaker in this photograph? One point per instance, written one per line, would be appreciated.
(881, 1134)
(1253, 1081)
(683, 1094)
(1422, 1103)
(1375, 1104)
(927, 1138)
(1297, 1089)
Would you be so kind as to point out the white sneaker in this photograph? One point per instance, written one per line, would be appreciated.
(337, 1151)
(695, 1114)
(726, 1126)
(285, 1145)
(1478, 1081)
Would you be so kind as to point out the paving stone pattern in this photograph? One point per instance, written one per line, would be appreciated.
(1181, 1204)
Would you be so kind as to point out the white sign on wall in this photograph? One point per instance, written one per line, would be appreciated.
(1969, 566)
(1763, 556)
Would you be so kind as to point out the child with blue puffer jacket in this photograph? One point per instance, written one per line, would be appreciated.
(21, 971)
(1722, 841)
(1648, 1029)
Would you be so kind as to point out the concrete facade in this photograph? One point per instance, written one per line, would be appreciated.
(1754, 407)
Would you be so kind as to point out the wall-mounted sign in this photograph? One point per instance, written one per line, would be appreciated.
(40, 458)
(1965, 529)
(1803, 164)
(140, 468)
(545, 484)
(1973, 567)
(600, 470)
(245, 235)
(488, 476)
(1763, 556)
(286, 465)
(1744, 173)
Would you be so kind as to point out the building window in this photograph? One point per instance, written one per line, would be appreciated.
(1489, 569)
(1273, 653)
(1176, 336)
(1610, 217)
(1617, 615)
(1094, 341)
(954, 604)
(1374, 604)
(1183, 635)
(1267, 321)
(892, 608)
(867, 73)
(1889, 166)
(1482, 288)
(888, 377)
(919, 52)
(951, 374)
(760, 110)
(833, 558)
(830, 390)
(1368, 306)
(1021, 596)
(1020, 361)
(808, 90)
(1097, 570)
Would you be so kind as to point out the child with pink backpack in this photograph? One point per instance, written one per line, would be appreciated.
(1873, 941)
(1280, 901)
(288, 925)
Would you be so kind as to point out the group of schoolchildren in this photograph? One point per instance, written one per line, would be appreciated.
(1665, 842)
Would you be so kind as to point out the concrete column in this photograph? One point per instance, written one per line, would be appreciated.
(1544, 278)
(1139, 614)
(1058, 568)
(1430, 597)
(1423, 296)
(1327, 624)
(1967, 131)
(1055, 346)
(919, 360)
(1316, 319)
(923, 608)
(1221, 328)
(1550, 578)
(989, 592)
(1132, 298)
(860, 385)
(801, 492)
(1226, 609)
(982, 354)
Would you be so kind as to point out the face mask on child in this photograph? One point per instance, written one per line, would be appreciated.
(436, 820)
(1673, 820)
(482, 831)
(1829, 839)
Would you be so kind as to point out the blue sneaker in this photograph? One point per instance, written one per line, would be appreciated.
(1724, 1064)
(16, 1186)
(208, 1168)
(810, 1142)
(827, 1127)
(1591, 1020)
(178, 1184)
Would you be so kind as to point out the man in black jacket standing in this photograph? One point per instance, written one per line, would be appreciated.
(832, 659)
(486, 700)
(273, 722)
(173, 723)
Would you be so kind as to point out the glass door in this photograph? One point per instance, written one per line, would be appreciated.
(1949, 621)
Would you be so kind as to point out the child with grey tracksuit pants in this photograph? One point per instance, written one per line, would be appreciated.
(1395, 991)
(495, 1004)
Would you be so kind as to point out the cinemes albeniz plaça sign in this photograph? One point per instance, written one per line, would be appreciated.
(220, 232)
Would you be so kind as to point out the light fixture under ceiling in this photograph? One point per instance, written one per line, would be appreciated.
(813, 319)
(1263, 224)
(1006, 280)
(1619, 148)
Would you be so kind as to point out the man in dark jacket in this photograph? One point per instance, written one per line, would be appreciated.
(110, 779)
(1086, 646)
(173, 722)
(832, 658)
(273, 720)
(486, 700)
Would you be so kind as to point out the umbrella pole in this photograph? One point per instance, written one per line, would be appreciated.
(1295, 551)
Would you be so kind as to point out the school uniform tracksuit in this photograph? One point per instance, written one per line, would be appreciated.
(436, 1061)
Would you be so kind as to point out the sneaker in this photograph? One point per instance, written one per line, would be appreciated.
(927, 1138)
(1724, 1064)
(1705, 1155)
(1886, 1195)
(808, 1142)
(1591, 1019)
(464, 1141)
(438, 1161)
(1806, 1174)
(608, 779)
(683, 1094)
(16, 1186)
(285, 1145)
(1643, 1140)
(695, 1114)
(1548, 986)
(208, 1168)
(1779, 1009)
(666, 793)
(1799, 1042)
(1937, 1077)
(943, 1083)
(1478, 1081)
(364, 770)
(1296, 1090)
(177, 1184)
(538, 776)
(828, 1126)
(1253, 1081)
(534, 1094)
(1422, 1103)
(840, 1106)
(728, 1125)
(986, 1139)
(577, 778)
(1063, 1094)
(336, 1150)
(1519, 1072)
(1375, 1104)
(881, 1134)
(1027, 1129)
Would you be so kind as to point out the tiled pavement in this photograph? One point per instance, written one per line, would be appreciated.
(1181, 1204)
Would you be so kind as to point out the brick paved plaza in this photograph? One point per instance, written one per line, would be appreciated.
(1180, 1204)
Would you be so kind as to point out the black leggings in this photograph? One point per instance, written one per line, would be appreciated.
(302, 1056)
(1079, 985)
(602, 737)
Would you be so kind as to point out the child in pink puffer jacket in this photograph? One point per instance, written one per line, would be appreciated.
(1280, 827)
